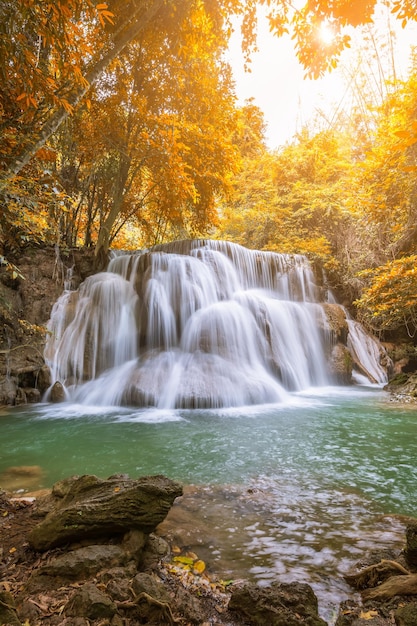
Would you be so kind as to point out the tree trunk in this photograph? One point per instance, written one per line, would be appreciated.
(103, 240)
(130, 28)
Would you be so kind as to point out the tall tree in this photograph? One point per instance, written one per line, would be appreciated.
(161, 119)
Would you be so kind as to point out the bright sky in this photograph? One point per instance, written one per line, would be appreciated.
(278, 86)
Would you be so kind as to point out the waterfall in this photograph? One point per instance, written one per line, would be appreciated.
(197, 324)
(367, 353)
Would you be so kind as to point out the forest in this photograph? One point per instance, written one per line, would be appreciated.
(121, 129)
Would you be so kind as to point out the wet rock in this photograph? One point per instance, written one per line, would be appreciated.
(57, 393)
(21, 476)
(32, 395)
(341, 364)
(280, 604)
(94, 508)
(8, 390)
(90, 602)
(336, 319)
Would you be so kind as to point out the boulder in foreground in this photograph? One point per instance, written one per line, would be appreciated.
(88, 507)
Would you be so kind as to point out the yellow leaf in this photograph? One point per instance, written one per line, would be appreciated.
(368, 614)
(199, 567)
(185, 560)
(12, 550)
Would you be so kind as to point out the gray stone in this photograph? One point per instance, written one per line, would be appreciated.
(90, 602)
(280, 604)
(90, 508)
(84, 562)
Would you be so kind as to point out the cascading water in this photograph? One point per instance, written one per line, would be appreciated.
(196, 324)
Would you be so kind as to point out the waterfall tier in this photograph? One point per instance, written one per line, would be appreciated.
(203, 323)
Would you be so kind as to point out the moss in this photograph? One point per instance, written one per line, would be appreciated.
(399, 379)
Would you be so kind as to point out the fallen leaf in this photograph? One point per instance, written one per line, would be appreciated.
(185, 560)
(368, 614)
(199, 566)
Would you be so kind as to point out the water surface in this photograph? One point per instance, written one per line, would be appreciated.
(296, 492)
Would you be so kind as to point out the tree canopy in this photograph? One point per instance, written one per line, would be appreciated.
(120, 126)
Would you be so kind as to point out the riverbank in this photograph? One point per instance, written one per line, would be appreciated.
(126, 579)
(97, 573)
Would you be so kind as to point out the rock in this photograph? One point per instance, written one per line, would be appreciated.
(150, 585)
(21, 477)
(336, 319)
(280, 604)
(94, 508)
(406, 615)
(156, 548)
(57, 393)
(90, 602)
(353, 614)
(8, 390)
(8, 614)
(341, 364)
(77, 564)
(411, 544)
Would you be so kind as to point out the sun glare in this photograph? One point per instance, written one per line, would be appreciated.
(326, 33)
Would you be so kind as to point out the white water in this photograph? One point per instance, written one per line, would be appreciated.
(198, 324)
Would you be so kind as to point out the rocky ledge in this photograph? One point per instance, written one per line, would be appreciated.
(88, 553)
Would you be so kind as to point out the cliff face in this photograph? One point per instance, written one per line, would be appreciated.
(26, 302)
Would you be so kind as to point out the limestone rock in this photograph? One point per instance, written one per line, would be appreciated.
(280, 604)
(341, 364)
(94, 508)
(57, 393)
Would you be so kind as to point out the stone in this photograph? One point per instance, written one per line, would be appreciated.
(155, 550)
(133, 544)
(406, 615)
(8, 614)
(151, 585)
(21, 477)
(57, 393)
(93, 508)
(411, 544)
(280, 604)
(83, 562)
(90, 602)
(341, 364)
